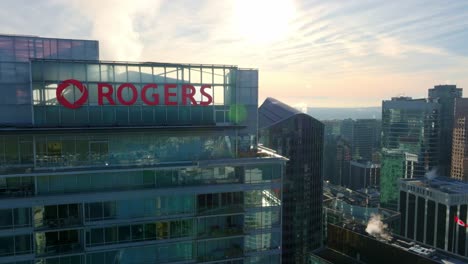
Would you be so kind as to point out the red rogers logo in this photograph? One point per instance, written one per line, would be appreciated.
(62, 100)
(106, 90)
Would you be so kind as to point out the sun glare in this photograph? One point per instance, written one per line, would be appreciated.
(263, 21)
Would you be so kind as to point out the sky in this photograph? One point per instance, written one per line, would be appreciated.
(308, 53)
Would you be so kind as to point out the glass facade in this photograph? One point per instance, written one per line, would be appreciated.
(366, 139)
(46, 75)
(298, 137)
(410, 143)
(15, 77)
(445, 95)
(112, 149)
(135, 183)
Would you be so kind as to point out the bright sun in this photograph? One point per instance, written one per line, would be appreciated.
(263, 21)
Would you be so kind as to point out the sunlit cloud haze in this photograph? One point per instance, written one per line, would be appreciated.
(315, 53)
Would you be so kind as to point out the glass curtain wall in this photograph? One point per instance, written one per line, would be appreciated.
(46, 75)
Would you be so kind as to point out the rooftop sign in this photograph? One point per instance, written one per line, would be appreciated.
(105, 92)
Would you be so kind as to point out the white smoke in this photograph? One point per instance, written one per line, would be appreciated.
(430, 175)
(376, 228)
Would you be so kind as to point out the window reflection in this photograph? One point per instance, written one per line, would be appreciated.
(122, 149)
(48, 74)
(128, 209)
(15, 245)
(140, 232)
(57, 242)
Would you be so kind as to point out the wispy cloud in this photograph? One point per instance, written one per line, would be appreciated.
(392, 47)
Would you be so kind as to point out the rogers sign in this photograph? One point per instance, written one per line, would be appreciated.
(105, 92)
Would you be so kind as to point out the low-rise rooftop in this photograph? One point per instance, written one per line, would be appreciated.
(436, 255)
(441, 184)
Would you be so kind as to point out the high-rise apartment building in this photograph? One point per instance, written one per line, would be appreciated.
(113, 162)
(434, 212)
(459, 168)
(298, 137)
(445, 95)
(410, 143)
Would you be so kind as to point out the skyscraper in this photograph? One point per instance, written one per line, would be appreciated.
(332, 142)
(299, 137)
(117, 162)
(410, 143)
(459, 169)
(445, 95)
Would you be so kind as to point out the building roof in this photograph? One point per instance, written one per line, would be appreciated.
(441, 184)
(364, 164)
(273, 111)
(409, 104)
(405, 244)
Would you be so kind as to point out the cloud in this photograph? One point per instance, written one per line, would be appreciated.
(392, 47)
(114, 25)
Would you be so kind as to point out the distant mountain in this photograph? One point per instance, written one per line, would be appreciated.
(322, 113)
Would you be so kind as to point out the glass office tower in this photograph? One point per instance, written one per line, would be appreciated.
(131, 174)
(445, 95)
(299, 137)
(410, 143)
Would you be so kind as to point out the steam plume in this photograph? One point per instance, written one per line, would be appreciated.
(376, 228)
(430, 175)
